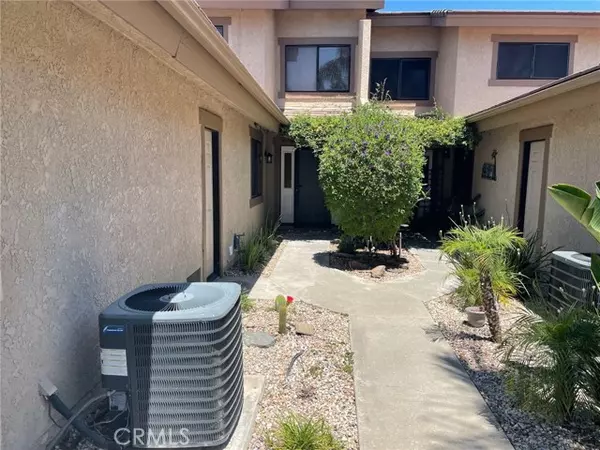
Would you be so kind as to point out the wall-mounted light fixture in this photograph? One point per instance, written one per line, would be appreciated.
(269, 157)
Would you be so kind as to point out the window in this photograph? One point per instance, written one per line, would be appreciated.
(222, 25)
(317, 68)
(527, 60)
(287, 170)
(402, 78)
(256, 179)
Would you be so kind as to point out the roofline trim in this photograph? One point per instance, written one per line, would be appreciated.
(445, 18)
(561, 86)
(189, 15)
(292, 4)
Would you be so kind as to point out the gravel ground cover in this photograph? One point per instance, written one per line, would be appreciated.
(480, 358)
(320, 382)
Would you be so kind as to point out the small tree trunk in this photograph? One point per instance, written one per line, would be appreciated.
(490, 306)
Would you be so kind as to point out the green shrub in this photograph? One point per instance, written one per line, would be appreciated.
(247, 303)
(257, 247)
(299, 433)
(348, 244)
(371, 164)
(532, 263)
(554, 362)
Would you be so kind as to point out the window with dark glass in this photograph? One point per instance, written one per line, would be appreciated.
(256, 179)
(287, 170)
(526, 60)
(220, 29)
(401, 78)
(317, 68)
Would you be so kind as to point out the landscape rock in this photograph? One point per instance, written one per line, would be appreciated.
(305, 328)
(258, 339)
(378, 272)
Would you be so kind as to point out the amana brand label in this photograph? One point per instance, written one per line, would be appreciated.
(113, 362)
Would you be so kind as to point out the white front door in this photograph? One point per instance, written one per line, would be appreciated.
(535, 190)
(209, 242)
(287, 184)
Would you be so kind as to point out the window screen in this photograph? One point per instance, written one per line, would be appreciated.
(317, 68)
(523, 60)
(287, 170)
(256, 168)
(402, 78)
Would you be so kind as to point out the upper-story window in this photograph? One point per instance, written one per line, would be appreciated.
(221, 29)
(402, 78)
(532, 60)
(317, 68)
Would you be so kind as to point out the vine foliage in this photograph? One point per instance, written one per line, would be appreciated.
(371, 163)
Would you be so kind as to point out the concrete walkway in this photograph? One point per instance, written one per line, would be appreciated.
(411, 391)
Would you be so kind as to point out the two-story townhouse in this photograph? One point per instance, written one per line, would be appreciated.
(324, 57)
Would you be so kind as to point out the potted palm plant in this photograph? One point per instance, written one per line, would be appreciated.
(478, 258)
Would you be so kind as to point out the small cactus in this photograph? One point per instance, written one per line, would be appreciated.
(281, 306)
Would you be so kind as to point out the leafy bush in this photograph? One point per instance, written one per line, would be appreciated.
(478, 258)
(256, 249)
(532, 263)
(247, 303)
(554, 362)
(348, 244)
(299, 433)
(371, 164)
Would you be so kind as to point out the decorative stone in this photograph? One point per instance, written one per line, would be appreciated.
(305, 328)
(378, 272)
(258, 339)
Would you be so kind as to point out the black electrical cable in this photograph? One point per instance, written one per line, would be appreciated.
(79, 424)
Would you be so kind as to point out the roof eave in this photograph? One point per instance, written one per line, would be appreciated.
(564, 85)
(192, 18)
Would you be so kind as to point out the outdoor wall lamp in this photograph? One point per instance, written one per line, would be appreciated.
(269, 157)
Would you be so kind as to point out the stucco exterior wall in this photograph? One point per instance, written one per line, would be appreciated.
(252, 37)
(474, 63)
(405, 39)
(573, 158)
(318, 23)
(101, 192)
(445, 79)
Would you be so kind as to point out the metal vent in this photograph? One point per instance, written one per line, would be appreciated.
(571, 280)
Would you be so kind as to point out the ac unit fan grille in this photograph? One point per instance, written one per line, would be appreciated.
(189, 375)
(572, 284)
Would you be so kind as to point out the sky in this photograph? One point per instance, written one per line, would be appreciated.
(527, 5)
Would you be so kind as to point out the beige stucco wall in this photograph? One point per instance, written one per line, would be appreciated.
(405, 39)
(445, 78)
(474, 63)
(573, 158)
(101, 192)
(252, 37)
(318, 23)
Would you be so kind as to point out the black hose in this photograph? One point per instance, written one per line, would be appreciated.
(96, 438)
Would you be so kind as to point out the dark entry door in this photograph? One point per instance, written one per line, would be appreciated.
(213, 205)
(309, 200)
